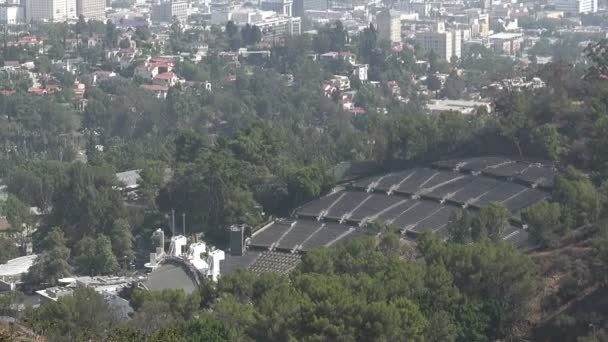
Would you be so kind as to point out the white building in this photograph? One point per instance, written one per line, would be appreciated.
(461, 106)
(11, 14)
(270, 23)
(575, 6)
(301, 6)
(445, 43)
(508, 43)
(389, 26)
(166, 11)
(205, 259)
(283, 7)
(91, 9)
(50, 10)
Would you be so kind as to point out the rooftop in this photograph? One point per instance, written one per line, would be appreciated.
(17, 266)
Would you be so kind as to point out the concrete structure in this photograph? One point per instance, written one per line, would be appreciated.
(12, 14)
(461, 106)
(283, 7)
(389, 26)
(575, 6)
(422, 8)
(360, 71)
(272, 25)
(50, 10)
(91, 9)
(445, 43)
(11, 272)
(166, 11)
(301, 6)
(506, 43)
(197, 258)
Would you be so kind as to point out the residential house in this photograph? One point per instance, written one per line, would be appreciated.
(102, 75)
(160, 90)
(153, 67)
(168, 79)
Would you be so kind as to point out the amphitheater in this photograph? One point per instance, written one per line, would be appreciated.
(412, 201)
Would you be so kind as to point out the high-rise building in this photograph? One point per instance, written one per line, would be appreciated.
(11, 14)
(575, 6)
(168, 10)
(301, 6)
(283, 7)
(445, 43)
(50, 10)
(91, 9)
(389, 26)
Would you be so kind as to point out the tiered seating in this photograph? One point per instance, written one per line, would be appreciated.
(275, 262)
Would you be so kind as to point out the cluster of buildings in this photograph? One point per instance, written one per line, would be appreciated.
(15, 11)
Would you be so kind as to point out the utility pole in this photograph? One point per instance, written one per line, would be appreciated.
(172, 222)
(184, 223)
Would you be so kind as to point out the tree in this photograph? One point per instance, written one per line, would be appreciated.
(579, 199)
(111, 34)
(122, 241)
(82, 316)
(491, 221)
(544, 220)
(156, 309)
(95, 256)
(433, 83)
(256, 35)
(454, 87)
(514, 122)
(19, 217)
(8, 249)
(17, 213)
(548, 141)
(8, 301)
(189, 145)
(52, 264)
(88, 202)
(460, 226)
(213, 192)
(503, 280)
(231, 29)
(152, 180)
(368, 41)
(305, 183)
(598, 54)
(599, 143)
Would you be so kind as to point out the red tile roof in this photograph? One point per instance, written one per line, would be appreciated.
(155, 87)
(165, 76)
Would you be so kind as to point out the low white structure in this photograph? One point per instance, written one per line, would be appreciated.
(11, 272)
(129, 179)
(202, 257)
(462, 106)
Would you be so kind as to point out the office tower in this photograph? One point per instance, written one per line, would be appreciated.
(445, 43)
(389, 26)
(575, 6)
(91, 9)
(283, 7)
(166, 11)
(50, 10)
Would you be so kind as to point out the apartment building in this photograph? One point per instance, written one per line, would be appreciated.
(445, 43)
(50, 10)
(165, 11)
(11, 14)
(282, 7)
(91, 9)
(389, 26)
(575, 6)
